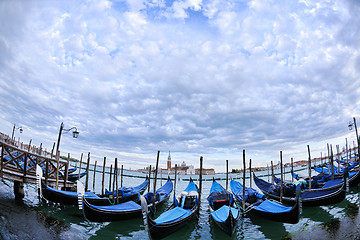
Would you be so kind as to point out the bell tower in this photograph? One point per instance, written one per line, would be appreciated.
(169, 162)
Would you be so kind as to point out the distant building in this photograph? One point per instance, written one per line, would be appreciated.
(183, 169)
(205, 171)
(169, 162)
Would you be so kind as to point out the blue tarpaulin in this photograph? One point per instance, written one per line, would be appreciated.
(73, 194)
(222, 213)
(126, 206)
(272, 207)
(173, 215)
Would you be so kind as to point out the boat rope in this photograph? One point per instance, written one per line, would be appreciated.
(248, 209)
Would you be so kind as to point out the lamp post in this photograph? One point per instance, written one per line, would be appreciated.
(62, 130)
(13, 131)
(351, 125)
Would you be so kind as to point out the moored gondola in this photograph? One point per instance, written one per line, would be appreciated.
(71, 197)
(184, 208)
(315, 197)
(76, 176)
(125, 210)
(221, 205)
(257, 203)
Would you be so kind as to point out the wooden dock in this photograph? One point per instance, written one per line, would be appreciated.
(19, 165)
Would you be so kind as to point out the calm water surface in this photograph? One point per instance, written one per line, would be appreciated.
(249, 226)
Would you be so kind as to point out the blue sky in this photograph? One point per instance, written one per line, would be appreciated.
(197, 78)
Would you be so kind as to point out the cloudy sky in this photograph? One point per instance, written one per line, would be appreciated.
(197, 78)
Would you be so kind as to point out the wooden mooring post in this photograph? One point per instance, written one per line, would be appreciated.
(282, 180)
(272, 172)
(200, 179)
(227, 174)
(121, 176)
(81, 157)
(149, 178)
(308, 147)
(94, 176)
(244, 172)
(66, 170)
(292, 170)
(19, 190)
(57, 169)
(250, 173)
(175, 182)
(116, 176)
(87, 173)
(332, 163)
(156, 170)
(2, 162)
(110, 177)
(103, 177)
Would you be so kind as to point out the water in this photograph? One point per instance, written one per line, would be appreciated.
(71, 223)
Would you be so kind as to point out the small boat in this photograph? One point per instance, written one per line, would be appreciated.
(71, 197)
(184, 208)
(75, 176)
(221, 205)
(71, 170)
(327, 170)
(322, 181)
(315, 197)
(125, 210)
(270, 209)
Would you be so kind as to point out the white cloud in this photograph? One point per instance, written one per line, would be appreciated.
(192, 77)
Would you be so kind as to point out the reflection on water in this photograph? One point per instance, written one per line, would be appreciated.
(248, 227)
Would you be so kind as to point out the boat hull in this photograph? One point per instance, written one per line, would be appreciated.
(163, 230)
(229, 225)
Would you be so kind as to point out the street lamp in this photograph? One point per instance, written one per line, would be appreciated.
(351, 125)
(13, 131)
(62, 130)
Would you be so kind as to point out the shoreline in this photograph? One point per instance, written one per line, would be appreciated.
(21, 221)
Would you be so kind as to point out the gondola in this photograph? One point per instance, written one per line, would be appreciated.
(221, 205)
(184, 208)
(76, 176)
(322, 181)
(71, 197)
(315, 197)
(257, 203)
(125, 210)
(327, 169)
